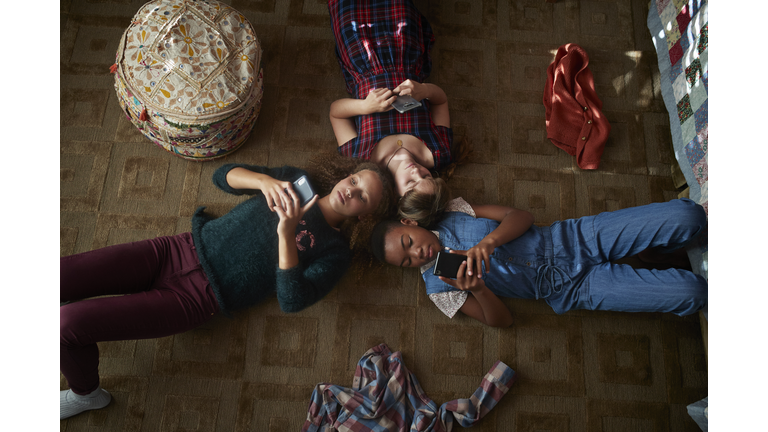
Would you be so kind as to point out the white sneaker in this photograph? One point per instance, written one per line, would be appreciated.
(72, 403)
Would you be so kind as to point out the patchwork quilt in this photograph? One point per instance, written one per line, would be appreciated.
(679, 31)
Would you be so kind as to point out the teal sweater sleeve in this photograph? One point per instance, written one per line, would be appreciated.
(284, 173)
(298, 289)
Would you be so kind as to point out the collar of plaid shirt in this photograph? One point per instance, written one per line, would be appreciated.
(386, 396)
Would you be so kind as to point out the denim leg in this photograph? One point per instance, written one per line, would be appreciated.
(622, 288)
(667, 226)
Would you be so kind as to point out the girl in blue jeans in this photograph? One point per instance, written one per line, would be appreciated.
(266, 245)
(568, 264)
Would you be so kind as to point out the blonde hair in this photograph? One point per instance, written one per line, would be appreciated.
(425, 208)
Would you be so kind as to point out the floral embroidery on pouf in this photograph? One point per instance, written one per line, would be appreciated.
(191, 71)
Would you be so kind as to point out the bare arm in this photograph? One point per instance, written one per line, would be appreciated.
(513, 224)
(343, 111)
(273, 190)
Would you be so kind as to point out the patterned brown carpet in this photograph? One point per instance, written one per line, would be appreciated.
(582, 371)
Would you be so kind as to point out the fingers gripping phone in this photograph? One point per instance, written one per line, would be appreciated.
(303, 190)
(447, 264)
(405, 103)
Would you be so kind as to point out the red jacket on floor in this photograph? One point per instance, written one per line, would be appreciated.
(574, 120)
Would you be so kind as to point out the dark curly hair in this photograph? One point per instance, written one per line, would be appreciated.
(379, 235)
(328, 168)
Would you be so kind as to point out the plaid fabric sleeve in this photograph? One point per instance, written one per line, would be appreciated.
(467, 412)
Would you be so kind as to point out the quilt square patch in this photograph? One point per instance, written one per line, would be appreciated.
(675, 53)
(688, 130)
(683, 18)
(703, 39)
(693, 152)
(675, 71)
(703, 137)
(684, 110)
(693, 72)
(685, 40)
(673, 34)
(695, 6)
(661, 5)
(700, 172)
(701, 116)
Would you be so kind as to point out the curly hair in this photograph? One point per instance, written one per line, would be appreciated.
(328, 168)
(425, 208)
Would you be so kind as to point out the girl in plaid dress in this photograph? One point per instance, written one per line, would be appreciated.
(383, 48)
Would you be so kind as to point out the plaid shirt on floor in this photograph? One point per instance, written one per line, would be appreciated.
(387, 397)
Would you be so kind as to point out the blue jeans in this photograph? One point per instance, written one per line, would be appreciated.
(568, 264)
(592, 242)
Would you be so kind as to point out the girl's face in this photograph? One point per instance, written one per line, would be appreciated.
(357, 195)
(410, 246)
(409, 175)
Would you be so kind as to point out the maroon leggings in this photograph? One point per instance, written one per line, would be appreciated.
(161, 290)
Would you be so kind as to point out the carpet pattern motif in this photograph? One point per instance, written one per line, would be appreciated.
(581, 371)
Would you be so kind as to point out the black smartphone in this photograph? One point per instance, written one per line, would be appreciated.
(405, 103)
(303, 189)
(447, 264)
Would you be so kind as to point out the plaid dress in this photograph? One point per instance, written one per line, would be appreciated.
(380, 44)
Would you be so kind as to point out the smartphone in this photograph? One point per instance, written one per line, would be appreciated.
(405, 103)
(447, 264)
(303, 189)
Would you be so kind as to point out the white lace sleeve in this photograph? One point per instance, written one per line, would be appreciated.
(459, 205)
(449, 302)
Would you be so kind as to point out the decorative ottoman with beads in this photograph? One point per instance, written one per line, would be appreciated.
(188, 76)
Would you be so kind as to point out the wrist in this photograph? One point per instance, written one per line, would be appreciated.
(480, 289)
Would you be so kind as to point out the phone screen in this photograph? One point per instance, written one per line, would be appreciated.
(447, 264)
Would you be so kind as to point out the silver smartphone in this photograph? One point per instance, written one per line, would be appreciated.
(303, 189)
(405, 103)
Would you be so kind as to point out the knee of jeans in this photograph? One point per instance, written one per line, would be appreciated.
(699, 296)
(71, 325)
(692, 212)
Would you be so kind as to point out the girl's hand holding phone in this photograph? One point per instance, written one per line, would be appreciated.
(275, 192)
(379, 100)
(464, 281)
(291, 214)
(476, 255)
(411, 88)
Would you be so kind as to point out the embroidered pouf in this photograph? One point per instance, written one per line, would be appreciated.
(188, 76)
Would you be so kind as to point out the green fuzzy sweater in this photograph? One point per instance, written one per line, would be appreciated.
(239, 251)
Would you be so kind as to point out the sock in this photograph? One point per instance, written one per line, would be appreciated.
(71, 403)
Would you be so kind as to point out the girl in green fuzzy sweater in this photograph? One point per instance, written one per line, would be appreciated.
(266, 244)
